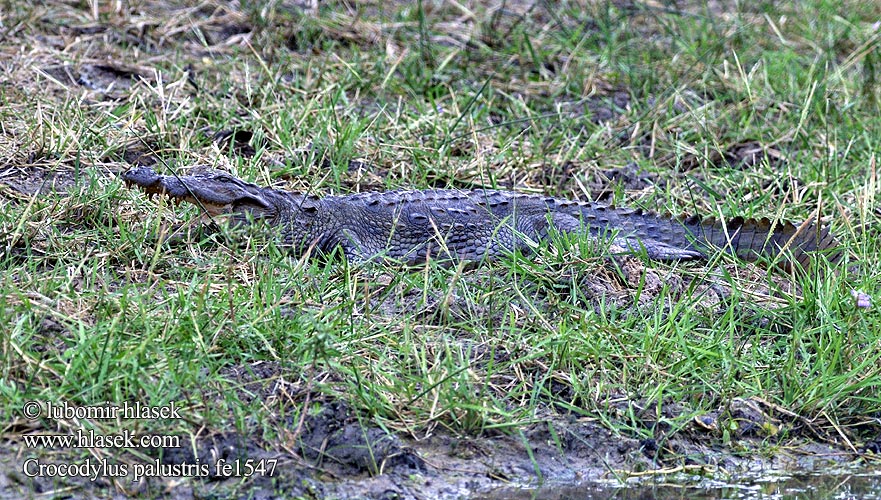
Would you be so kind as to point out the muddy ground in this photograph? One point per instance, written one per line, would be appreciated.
(334, 454)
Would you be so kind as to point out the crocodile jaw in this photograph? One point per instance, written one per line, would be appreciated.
(216, 193)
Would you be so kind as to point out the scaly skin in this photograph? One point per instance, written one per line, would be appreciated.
(476, 225)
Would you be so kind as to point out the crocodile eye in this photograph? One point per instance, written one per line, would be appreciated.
(245, 201)
(308, 205)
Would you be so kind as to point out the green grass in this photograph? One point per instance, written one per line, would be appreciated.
(98, 308)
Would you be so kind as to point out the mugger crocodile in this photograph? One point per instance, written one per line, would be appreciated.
(478, 225)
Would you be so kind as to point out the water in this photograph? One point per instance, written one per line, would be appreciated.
(840, 485)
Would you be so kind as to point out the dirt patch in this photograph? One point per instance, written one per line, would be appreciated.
(33, 179)
(109, 79)
(743, 155)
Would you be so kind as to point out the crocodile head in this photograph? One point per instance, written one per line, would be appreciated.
(215, 191)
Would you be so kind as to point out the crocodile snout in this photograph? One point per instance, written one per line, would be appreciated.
(141, 176)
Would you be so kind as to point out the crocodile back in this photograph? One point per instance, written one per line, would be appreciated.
(480, 224)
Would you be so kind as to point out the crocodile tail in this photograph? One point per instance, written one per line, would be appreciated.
(752, 239)
(684, 237)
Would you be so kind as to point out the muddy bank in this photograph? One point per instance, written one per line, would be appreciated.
(332, 453)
